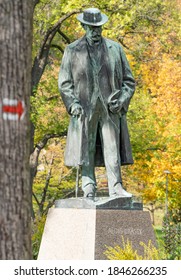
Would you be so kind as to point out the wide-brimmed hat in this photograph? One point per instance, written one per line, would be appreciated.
(92, 16)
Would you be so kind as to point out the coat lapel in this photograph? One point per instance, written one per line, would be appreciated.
(110, 63)
(82, 53)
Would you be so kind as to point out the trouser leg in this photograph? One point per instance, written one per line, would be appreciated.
(88, 171)
(110, 136)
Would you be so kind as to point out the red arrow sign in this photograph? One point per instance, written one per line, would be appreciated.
(14, 109)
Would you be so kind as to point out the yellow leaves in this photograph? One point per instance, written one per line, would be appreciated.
(59, 172)
(126, 252)
(48, 112)
(149, 194)
(154, 114)
(163, 80)
(131, 60)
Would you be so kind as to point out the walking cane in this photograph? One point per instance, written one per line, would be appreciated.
(77, 181)
(79, 128)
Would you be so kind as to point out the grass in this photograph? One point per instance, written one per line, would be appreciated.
(159, 237)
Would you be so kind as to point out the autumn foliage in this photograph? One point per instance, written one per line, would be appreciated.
(149, 33)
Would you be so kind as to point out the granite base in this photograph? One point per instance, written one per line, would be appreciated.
(77, 230)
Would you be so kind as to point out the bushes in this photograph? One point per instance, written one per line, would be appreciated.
(126, 252)
(172, 236)
(169, 245)
(37, 231)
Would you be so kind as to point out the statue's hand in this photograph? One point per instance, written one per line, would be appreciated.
(76, 110)
(115, 106)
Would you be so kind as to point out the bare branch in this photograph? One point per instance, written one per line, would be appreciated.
(57, 96)
(46, 185)
(63, 177)
(69, 194)
(122, 43)
(45, 139)
(51, 203)
(156, 21)
(64, 36)
(34, 157)
(57, 47)
(36, 199)
(40, 60)
(35, 2)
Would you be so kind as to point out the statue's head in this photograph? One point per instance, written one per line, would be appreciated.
(93, 17)
(92, 20)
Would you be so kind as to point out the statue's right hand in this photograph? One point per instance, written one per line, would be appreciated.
(76, 110)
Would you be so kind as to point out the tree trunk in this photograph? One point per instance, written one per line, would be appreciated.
(15, 83)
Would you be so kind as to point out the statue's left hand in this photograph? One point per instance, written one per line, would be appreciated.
(115, 106)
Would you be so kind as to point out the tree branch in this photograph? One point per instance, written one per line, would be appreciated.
(64, 36)
(154, 20)
(46, 185)
(162, 149)
(121, 41)
(57, 96)
(35, 2)
(35, 154)
(57, 47)
(40, 60)
(36, 199)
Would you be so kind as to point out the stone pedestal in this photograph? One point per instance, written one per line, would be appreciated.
(112, 225)
(80, 229)
(119, 203)
(69, 234)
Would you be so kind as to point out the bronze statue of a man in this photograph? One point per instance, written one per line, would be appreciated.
(96, 85)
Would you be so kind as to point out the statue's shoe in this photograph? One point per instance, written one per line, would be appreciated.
(120, 191)
(89, 191)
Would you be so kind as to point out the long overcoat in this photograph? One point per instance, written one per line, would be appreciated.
(76, 86)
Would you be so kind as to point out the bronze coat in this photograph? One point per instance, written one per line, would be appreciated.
(76, 86)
